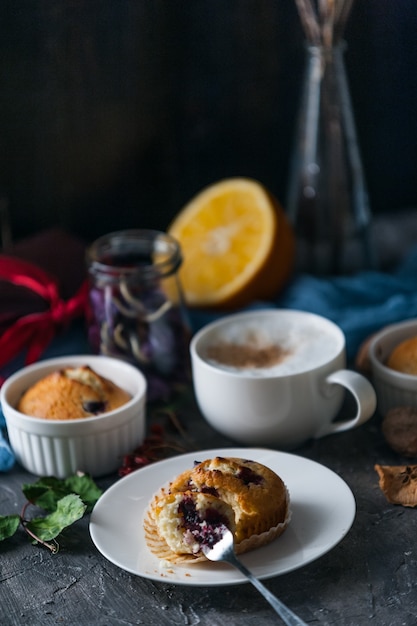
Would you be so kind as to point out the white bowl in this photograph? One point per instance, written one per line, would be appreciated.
(94, 445)
(393, 388)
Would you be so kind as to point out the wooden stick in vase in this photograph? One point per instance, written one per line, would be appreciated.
(327, 17)
(343, 8)
(309, 21)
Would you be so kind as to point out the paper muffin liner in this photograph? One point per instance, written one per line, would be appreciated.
(158, 546)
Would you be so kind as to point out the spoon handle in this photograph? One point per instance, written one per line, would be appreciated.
(287, 616)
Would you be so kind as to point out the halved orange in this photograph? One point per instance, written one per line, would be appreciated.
(237, 245)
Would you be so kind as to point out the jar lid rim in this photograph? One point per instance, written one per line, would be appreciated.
(150, 243)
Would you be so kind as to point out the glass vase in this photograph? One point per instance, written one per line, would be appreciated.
(327, 199)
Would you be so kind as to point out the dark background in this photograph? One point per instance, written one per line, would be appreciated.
(113, 114)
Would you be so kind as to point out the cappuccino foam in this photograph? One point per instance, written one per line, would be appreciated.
(269, 347)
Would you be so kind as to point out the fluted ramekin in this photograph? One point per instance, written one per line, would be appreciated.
(94, 445)
(393, 388)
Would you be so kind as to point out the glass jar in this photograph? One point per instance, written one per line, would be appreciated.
(327, 200)
(137, 308)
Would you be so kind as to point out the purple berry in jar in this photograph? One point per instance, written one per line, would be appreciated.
(162, 346)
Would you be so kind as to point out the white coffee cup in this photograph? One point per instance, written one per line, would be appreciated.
(290, 397)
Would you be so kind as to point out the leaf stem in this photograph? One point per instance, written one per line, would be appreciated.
(53, 546)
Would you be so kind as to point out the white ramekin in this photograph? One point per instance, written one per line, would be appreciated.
(393, 388)
(94, 445)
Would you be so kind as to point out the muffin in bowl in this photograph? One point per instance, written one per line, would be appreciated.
(72, 393)
(390, 355)
(95, 443)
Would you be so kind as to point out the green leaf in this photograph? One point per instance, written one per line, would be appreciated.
(69, 509)
(85, 487)
(47, 491)
(8, 525)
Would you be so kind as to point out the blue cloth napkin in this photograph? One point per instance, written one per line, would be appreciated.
(6, 455)
(360, 304)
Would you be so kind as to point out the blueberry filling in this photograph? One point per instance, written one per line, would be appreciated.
(205, 531)
(210, 490)
(248, 476)
(94, 406)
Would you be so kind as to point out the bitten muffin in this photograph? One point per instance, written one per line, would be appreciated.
(72, 393)
(188, 520)
(255, 494)
(404, 357)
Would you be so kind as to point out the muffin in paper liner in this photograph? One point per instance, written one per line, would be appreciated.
(159, 547)
(257, 494)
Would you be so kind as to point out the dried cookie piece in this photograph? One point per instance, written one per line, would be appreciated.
(399, 428)
(398, 483)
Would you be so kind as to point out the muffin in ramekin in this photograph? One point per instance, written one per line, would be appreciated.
(393, 388)
(94, 444)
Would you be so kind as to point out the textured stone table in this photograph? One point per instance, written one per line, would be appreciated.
(370, 577)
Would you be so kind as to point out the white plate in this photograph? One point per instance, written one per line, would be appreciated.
(322, 506)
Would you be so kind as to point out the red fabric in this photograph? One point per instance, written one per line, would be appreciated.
(35, 330)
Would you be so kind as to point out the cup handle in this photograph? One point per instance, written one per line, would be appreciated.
(362, 391)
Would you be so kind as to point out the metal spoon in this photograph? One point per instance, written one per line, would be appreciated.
(223, 550)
